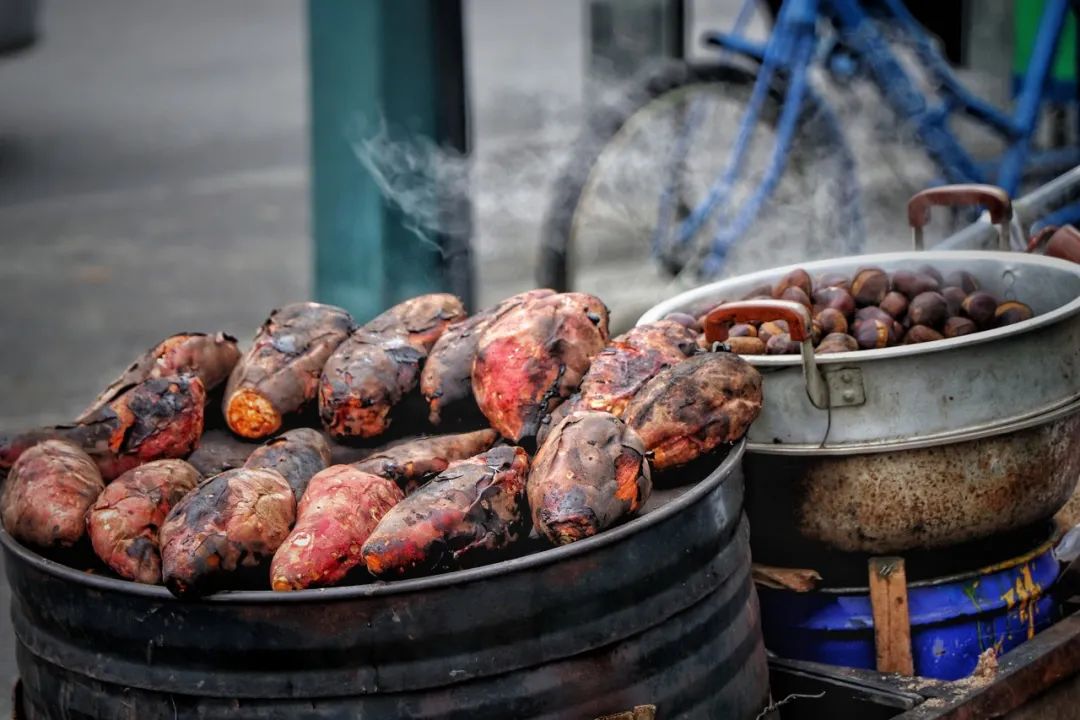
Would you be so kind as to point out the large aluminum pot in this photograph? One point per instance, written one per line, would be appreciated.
(918, 395)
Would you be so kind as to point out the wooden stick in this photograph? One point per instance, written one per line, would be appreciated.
(892, 624)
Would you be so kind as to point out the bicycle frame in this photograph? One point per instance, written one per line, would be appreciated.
(789, 53)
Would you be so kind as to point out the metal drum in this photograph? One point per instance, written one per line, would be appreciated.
(658, 611)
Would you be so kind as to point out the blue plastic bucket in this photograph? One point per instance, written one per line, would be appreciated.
(953, 619)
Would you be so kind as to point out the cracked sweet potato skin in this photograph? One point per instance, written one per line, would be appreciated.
(533, 357)
(233, 521)
(297, 454)
(692, 408)
(123, 523)
(209, 357)
(410, 463)
(363, 380)
(421, 319)
(279, 374)
(341, 508)
(466, 515)
(590, 474)
(157, 419)
(446, 380)
(47, 493)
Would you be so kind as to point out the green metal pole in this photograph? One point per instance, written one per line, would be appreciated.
(373, 61)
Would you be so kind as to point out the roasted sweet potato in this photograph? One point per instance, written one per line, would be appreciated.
(631, 360)
(533, 357)
(297, 455)
(157, 419)
(279, 374)
(363, 380)
(410, 463)
(340, 509)
(421, 319)
(467, 514)
(446, 380)
(692, 408)
(590, 474)
(124, 521)
(219, 450)
(209, 357)
(229, 523)
(47, 493)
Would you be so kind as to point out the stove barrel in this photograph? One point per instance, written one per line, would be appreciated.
(658, 611)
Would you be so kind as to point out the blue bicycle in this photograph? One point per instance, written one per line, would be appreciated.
(700, 157)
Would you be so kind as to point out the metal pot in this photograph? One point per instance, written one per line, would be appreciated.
(659, 611)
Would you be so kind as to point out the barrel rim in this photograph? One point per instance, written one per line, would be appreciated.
(700, 490)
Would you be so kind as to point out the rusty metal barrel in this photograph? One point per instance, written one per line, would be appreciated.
(660, 610)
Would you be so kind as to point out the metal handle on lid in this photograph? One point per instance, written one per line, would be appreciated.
(993, 198)
(800, 328)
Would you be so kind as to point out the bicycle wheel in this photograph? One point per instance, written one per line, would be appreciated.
(598, 230)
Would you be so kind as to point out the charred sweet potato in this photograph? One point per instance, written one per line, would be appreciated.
(47, 493)
(124, 521)
(209, 357)
(590, 473)
(410, 463)
(446, 380)
(363, 380)
(157, 419)
(279, 374)
(533, 357)
(631, 360)
(219, 450)
(691, 408)
(469, 512)
(296, 454)
(336, 516)
(420, 319)
(229, 523)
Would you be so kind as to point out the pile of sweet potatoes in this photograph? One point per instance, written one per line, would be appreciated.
(555, 429)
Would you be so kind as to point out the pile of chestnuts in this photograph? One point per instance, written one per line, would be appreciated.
(874, 309)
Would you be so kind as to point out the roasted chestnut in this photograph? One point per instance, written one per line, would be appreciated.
(685, 319)
(963, 280)
(759, 292)
(869, 286)
(957, 326)
(796, 278)
(954, 297)
(920, 334)
(837, 342)
(871, 312)
(745, 345)
(872, 334)
(934, 273)
(928, 308)
(796, 294)
(979, 307)
(838, 280)
(895, 304)
(913, 283)
(833, 297)
(816, 332)
(781, 344)
(831, 321)
(1010, 312)
(742, 330)
(898, 331)
(772, 328)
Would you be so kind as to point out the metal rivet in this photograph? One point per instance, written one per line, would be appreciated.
(848, 396)
(845, 377)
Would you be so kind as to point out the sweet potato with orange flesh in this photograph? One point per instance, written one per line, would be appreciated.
(363, 380)
(421, 319)
(124, 521)
(337, 515)
(533, 357)
(297, 454)
(692, 408)
(631, 360)
(157, 419)
(229, 523)
(590, 474)
(209, 357)
(467, 514)
(410, 463)
(47, 493)
(446, 380)
(279, 374)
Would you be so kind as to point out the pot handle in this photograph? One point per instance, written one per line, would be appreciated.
(993, 198)
(720, 319)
